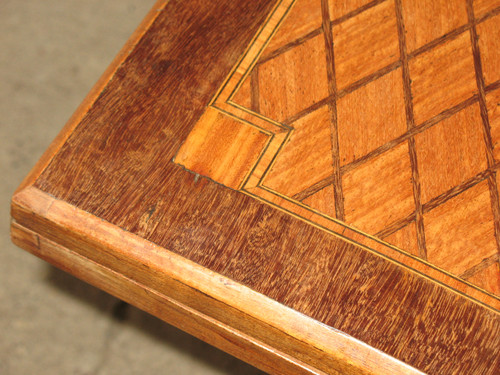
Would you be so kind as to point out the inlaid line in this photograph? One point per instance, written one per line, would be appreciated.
(397, 225)
(441, 40)
(261, 47)
(386, 256)
(316, 32)
(254, 90)
(439, 200)
(245, 54)
(410, 122)
(492, 86)
(340, 94)
(485, 263)
(332, 106)
(452, 34)
(308, 110)
(389, 145)
(362, 82)
(287, 47)
(488, 15)
(355, 12)
(313, 189)
(409, 133)
(456, 190)
(492, 181)
(369, 78)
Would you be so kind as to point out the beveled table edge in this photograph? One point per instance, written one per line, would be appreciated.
(68, 237)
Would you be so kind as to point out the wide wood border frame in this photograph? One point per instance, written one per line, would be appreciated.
(189, 296)
(69, 237)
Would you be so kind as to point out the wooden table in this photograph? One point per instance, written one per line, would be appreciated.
(310, 185)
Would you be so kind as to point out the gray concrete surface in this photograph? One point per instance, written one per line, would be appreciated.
(51, 53)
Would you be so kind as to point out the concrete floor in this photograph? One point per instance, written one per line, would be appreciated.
(51, 53)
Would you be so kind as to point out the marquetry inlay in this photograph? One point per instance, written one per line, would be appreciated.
(378, 121)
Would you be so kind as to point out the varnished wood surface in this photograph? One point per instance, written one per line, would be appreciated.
(114, 164)
(385, 137)
(314, 347)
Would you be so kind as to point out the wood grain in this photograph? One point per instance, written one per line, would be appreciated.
(405, 238)
(371, 116)
(304, 19)
(372, 206)
(451, 152)
(365, 43)
(428, 20)
(214, 298)
(160, 305)
(342, 8)
(369, 120)
(226, 149)
(322, 201)
(169, 274)
(483, 6)
(488, 277)
(108, 204)
(463, 223)
(493, 106)
(489, 45)
(442, 77)
(293, 171)
(286, 92)
(92, 96)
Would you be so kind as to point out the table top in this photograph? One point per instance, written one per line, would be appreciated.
(310, 185)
